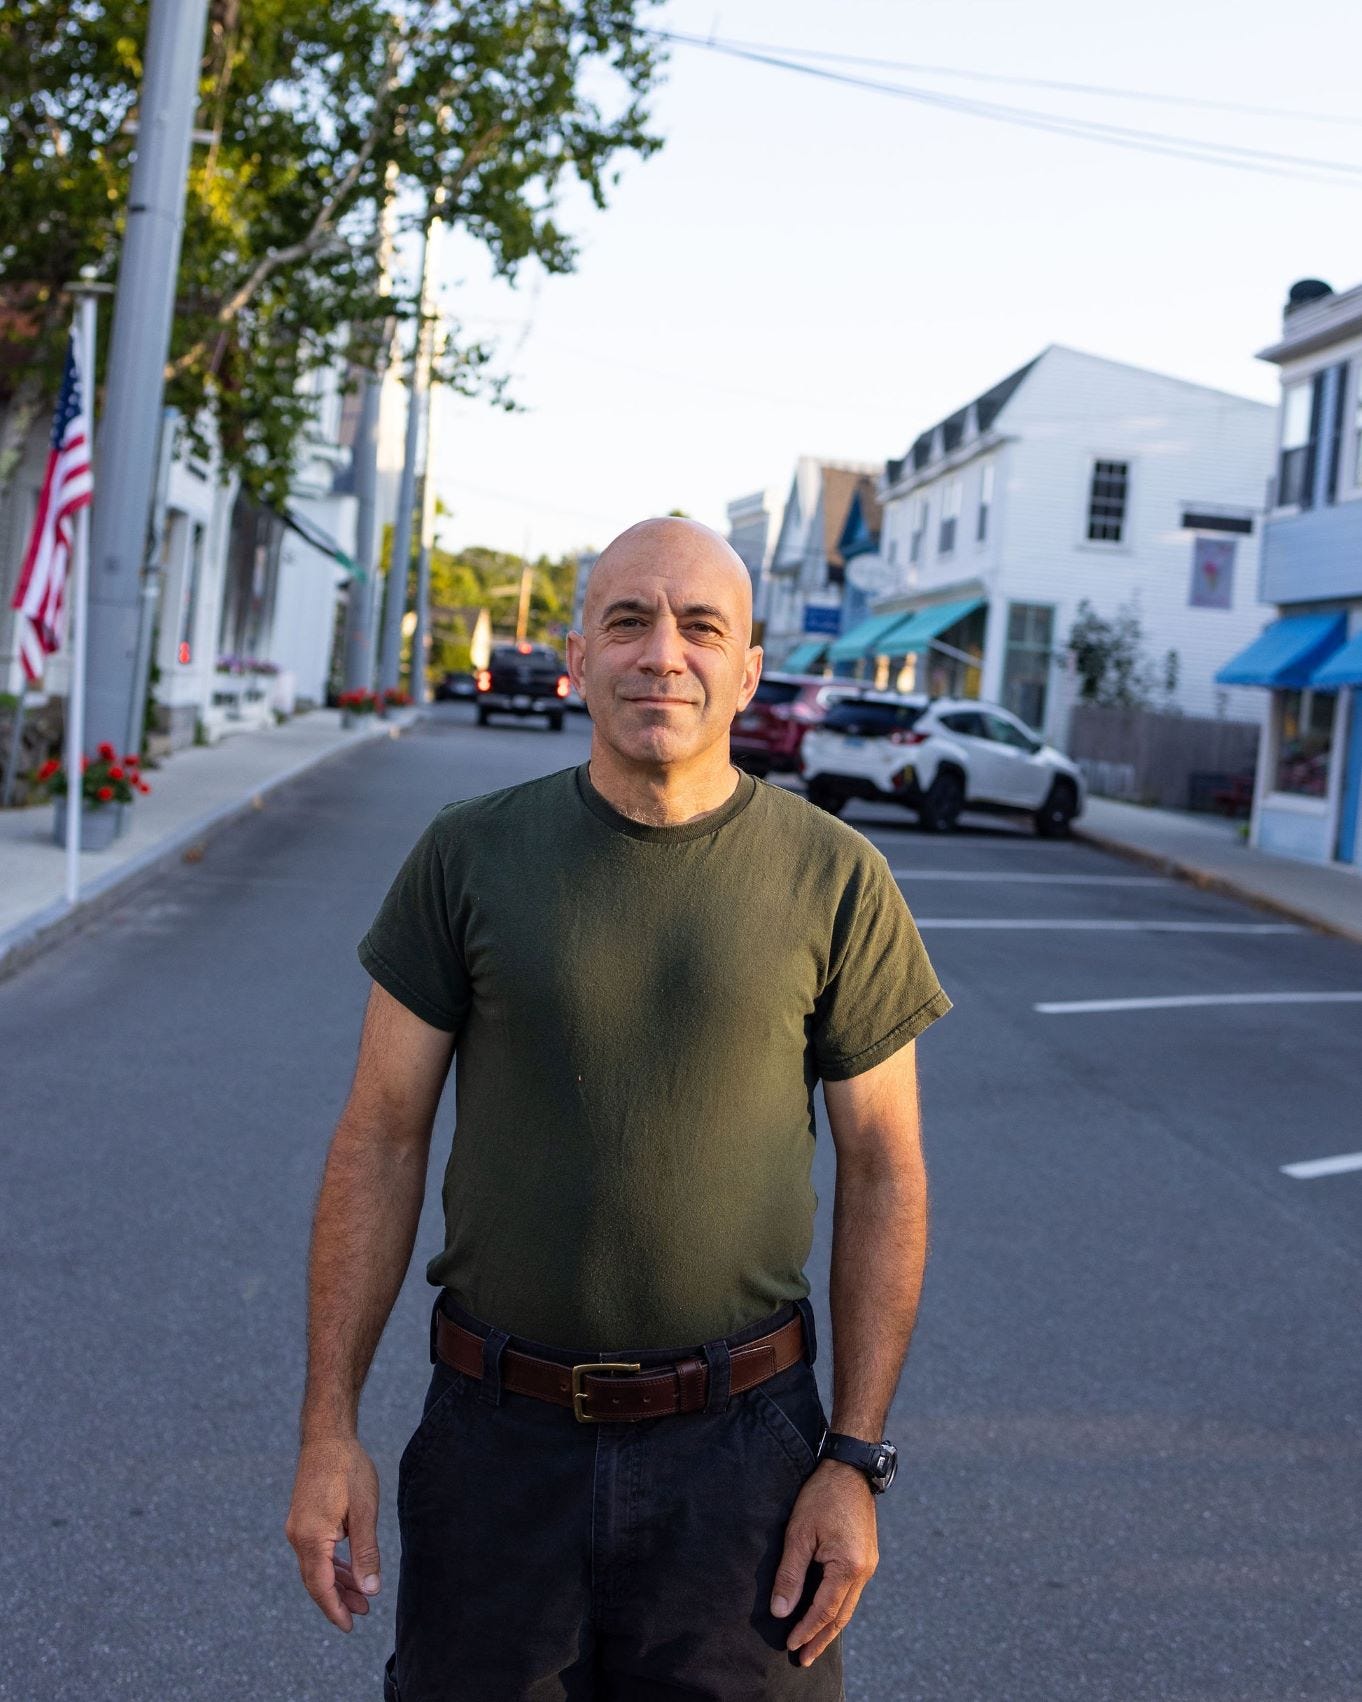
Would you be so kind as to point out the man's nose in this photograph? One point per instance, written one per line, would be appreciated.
(664, 652)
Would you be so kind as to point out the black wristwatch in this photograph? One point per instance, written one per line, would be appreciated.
(878, 1460)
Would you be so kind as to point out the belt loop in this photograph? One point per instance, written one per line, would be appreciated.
(720, 1366)
(434, 1326)
(805, 1309)
(493, 1346)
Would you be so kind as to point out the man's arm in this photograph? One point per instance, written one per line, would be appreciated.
(362, 1238)
(879, 1249)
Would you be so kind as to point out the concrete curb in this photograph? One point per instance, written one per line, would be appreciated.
(1212, 881)
(20, 945)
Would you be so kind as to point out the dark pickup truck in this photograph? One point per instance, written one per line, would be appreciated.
(523, 679)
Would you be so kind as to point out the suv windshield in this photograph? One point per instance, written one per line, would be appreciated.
(776, 691)
(870, 720)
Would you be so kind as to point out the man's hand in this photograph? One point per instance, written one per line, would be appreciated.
(335, 1495)
(833, 1522)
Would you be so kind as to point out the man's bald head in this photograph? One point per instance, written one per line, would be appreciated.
(665, 659)
(685, 548)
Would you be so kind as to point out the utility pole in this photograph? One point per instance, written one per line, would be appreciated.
(522, 617)
(140, 341)
(421, 637)
(362, 603)
(395, 599)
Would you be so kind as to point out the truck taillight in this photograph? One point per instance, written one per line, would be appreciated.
(563, 685)
(899, 737)
(484, 680)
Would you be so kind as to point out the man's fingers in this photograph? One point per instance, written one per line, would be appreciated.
(793, 1568)
(810, 1651)
(362, 1525)
(316, 1563)
(829, 1607)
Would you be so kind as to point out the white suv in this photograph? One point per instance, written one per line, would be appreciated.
(938, 756)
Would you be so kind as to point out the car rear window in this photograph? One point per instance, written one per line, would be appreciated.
(870, 720)
(776, 691)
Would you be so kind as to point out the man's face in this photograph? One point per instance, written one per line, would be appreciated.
(663, 661)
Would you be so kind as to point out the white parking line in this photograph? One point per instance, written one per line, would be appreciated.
(1100, 925)
(1186, 1001)
(1323, 1167)
(1007, 875)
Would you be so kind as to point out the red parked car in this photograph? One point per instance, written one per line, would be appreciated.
(767, 735)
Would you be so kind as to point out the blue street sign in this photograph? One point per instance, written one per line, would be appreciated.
(823, 618)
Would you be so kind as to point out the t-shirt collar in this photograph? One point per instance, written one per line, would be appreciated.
(708, 823)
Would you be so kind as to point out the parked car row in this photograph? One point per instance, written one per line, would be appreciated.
(935, 756)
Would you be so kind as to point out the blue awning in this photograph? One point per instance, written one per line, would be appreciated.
(923, 625)
(804, 656)
(1344, 668)
(863, 639)
(1287, 653)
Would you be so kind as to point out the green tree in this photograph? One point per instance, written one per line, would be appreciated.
(1113, 665)
(313, 108)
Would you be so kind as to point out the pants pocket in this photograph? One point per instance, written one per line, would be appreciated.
(792, 1413)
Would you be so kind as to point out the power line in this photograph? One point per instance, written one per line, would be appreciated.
(1106, 90)
(1260, 160)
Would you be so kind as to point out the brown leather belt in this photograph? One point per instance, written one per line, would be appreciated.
(615, 1391)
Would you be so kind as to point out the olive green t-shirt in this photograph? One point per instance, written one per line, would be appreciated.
(642, 1014)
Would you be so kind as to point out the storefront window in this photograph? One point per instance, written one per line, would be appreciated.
(1306, 732)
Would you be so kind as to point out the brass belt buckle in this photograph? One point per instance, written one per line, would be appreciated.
(579, 1394)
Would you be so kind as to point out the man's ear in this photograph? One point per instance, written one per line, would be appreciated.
(576, 656)
(751, 674)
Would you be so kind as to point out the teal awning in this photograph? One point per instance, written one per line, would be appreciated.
(863, 639)
(923, 625)
(1287, 653)
(1344, 668)
(804, 656)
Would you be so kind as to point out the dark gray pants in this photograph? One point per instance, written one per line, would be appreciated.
(545, 1560)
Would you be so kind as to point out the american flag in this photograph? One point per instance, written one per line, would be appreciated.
(67, 488)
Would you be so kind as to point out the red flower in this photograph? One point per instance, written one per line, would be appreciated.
(115, 773)
(49, 768)
(107, 751)
(141, 785)
(131, 760)
(84, 764)
(104, 794)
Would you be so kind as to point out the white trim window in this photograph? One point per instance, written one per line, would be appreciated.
(986, 474)
(919, 531)
(1108, 492)
(1305, 735)
(1300, 427)
(950, 517)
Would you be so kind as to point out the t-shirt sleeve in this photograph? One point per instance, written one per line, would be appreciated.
(412, 949)
(882, 991)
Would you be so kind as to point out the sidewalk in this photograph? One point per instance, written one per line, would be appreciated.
(1209, 851)
(197, 791)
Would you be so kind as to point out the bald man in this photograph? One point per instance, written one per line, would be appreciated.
(624, 1484)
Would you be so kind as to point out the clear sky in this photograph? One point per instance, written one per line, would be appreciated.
(811, 268)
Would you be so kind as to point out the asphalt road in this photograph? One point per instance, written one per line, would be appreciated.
(1131, 1424)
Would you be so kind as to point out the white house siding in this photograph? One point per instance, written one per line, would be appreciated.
(1187, 447)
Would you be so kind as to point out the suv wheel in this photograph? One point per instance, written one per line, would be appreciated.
(482, 715)
(827, 796)
(941, 806)
(556, 723)
(1059, 809)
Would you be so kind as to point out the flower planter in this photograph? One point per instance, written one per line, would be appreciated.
(98, 825)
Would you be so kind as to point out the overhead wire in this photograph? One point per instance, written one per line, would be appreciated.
(1107, 91)
(1263, 160)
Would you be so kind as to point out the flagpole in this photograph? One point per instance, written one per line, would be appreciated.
(85, 294)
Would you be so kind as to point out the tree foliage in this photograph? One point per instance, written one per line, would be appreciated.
(1113, 665)
(313, 110)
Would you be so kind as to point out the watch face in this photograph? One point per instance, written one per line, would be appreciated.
(888, 1464)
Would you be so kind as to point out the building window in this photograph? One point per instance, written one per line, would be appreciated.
(189, 598)
(893, 552)
(985, 500)
(1107, 501)
(1026, 665)
(919, 530)
(1300, 433)
(1305, 734)
(950, 515)
(1357, 425)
